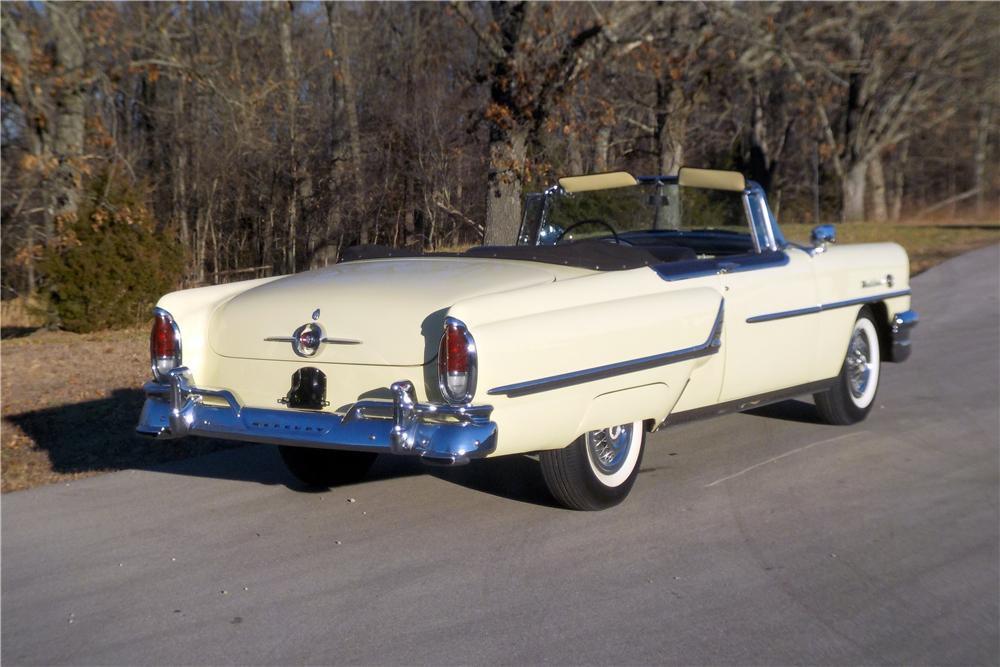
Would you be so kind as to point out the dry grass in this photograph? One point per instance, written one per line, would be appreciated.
(20, 312)
(70, 402)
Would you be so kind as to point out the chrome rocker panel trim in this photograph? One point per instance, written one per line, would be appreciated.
(902, 325)
(438, 434)
(710, 346)
(812, 310)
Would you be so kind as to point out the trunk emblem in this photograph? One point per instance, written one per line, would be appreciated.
(306, 340)
(315, 314)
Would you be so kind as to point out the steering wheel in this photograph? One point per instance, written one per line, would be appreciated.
(590, 221)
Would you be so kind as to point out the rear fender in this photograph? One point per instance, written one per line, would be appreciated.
(558, 372)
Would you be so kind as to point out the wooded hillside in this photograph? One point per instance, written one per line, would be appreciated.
(264, 137)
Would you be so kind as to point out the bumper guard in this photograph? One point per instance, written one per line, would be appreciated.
(440, 434)
(902, 325)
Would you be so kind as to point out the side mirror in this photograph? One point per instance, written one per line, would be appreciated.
(821, 235)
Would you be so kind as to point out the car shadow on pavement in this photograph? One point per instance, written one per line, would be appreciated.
(792, 410)
(99, 436)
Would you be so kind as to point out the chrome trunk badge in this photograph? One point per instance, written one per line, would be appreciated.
(306, 340)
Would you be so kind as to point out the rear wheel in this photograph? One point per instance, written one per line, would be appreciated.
(323, 468)
(852, 395)
(598, 470)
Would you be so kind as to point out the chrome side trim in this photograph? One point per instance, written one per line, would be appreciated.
(440, 434)
(810, 310)
(710, 346)
(747, 403)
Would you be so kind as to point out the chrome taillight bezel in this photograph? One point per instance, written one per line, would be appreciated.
(472, 358)
(177, 357)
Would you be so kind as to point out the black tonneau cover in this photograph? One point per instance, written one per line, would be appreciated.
(593, 255)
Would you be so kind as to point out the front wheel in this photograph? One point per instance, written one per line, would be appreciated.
(598, 470)
(323, 468)
(852, 395)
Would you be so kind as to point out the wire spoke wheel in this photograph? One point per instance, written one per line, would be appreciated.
(609, 447)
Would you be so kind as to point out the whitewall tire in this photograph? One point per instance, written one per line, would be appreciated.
(852, 395)
(598, 469)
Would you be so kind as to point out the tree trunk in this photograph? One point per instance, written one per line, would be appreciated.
(508, 151)
(342, 50)
(670, 148)
(179, 176)
(602, 143)
(575, 156)
(899, 182)
(67, 140)
(853, 189)
(291, 106)
(982, 141)
(815, 181)
(876, 176)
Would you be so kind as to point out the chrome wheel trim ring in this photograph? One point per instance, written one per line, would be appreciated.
(613, 453)
(859, 363)
(608, 448)
(861, 366)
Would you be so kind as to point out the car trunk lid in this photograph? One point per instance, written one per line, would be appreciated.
(395, 308)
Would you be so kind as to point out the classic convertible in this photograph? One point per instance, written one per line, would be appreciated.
(629, 304)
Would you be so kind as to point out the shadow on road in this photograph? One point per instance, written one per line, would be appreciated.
(98, 436)
(792, 410)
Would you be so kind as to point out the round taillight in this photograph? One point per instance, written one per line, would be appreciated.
(164, 344)
(457, 363)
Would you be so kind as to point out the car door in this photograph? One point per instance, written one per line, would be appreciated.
(770, 323)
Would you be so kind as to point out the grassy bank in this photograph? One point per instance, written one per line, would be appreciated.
(927, 244)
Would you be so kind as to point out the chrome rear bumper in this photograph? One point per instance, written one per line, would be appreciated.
(442, 434)
(902, 325)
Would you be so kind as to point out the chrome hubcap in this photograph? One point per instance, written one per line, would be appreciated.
(859, 364)
(608, 448)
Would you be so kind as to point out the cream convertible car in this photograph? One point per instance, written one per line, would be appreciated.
(628, 305)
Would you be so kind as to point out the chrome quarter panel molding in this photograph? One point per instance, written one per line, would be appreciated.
(440, 434)
(711, 345)
(810, 310)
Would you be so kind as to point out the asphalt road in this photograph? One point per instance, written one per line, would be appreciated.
(749, 539)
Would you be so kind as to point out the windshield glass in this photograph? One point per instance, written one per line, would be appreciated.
(636, 215)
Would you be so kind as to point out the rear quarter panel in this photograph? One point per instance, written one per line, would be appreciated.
(586, 322)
